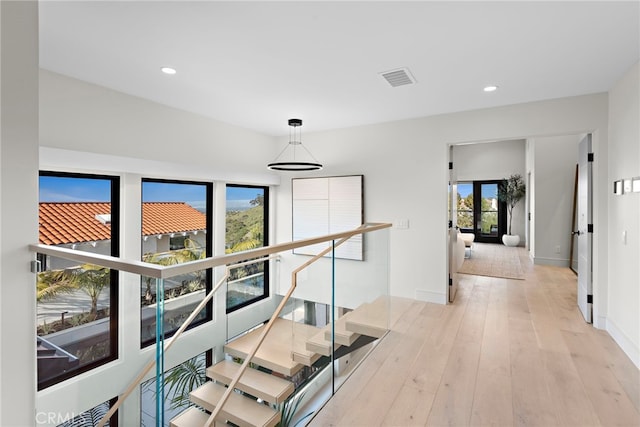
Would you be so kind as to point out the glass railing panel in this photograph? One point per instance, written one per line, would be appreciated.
(361, 311)
(354, 279)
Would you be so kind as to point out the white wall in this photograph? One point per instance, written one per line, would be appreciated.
(555, 168)
(83, 117)
(405, 168)
(623, 321)
(18, 209)
(494, 160)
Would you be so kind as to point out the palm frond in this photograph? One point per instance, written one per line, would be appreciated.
(184, 378)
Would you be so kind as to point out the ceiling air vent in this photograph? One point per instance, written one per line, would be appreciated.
(399, 77)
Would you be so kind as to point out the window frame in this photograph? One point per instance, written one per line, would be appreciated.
(114, 285)
(267, 281)
(208, 252)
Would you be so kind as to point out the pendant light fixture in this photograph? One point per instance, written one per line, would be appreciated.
(287, 160)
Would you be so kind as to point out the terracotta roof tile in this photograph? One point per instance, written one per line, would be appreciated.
(65, 223)
(171, 217)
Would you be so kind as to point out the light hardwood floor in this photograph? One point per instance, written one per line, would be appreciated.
(507, 352)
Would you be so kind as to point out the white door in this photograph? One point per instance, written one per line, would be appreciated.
(585, 229)
(453, 230)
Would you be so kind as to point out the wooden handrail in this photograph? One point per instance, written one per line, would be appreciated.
(267, 328)
(138, 379)
(164, 272)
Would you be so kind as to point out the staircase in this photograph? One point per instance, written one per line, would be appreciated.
(53, 360)
(286, 350)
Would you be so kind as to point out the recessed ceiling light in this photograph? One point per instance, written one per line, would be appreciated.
(168, 70)
(490, 88)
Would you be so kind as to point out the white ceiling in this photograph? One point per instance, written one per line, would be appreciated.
(256, 64)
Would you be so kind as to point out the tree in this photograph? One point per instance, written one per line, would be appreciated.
(91, 280)
(183, 379)
(52, 283)
(192, 251)
(258, 201)
(510, 192)
(87, 278)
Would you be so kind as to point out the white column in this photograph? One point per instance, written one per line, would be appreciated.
(18, 209)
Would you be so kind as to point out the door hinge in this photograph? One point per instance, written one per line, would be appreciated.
(589, 228)
(450, 165)
(589, 299)
(450, 224)
(450, 281)
(590, 157)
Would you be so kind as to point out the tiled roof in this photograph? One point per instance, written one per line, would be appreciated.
(171, 217)
(64, 223)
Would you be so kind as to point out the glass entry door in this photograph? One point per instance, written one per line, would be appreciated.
(480, 212)
(489, 214)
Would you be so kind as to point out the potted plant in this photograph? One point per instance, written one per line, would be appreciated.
(510, 193)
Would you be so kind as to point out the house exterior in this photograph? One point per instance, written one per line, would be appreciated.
(49, 121)
(86, 227)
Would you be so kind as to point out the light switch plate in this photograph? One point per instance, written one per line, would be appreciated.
(402, 223)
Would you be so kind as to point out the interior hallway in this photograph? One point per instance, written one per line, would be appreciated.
(507, 352)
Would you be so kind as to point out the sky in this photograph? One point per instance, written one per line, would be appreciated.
(488, 191)
(465, 189)
(72, 189)
(63, 189)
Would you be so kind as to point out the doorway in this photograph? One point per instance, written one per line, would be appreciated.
(480, 212)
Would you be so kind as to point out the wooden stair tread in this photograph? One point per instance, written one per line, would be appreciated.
(238, 409)
(276, 350)
(259, 384)
(370, 319)
(319, 344)
(193, 417)
(342, 334)
(321, 341)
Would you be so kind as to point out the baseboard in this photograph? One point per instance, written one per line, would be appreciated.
(555, 262)
(600, 322)
(429, 296)
(630, 348)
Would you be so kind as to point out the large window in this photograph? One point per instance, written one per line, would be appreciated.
(246, 228)
(77, 309)
(480, 212)
(176, 228)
